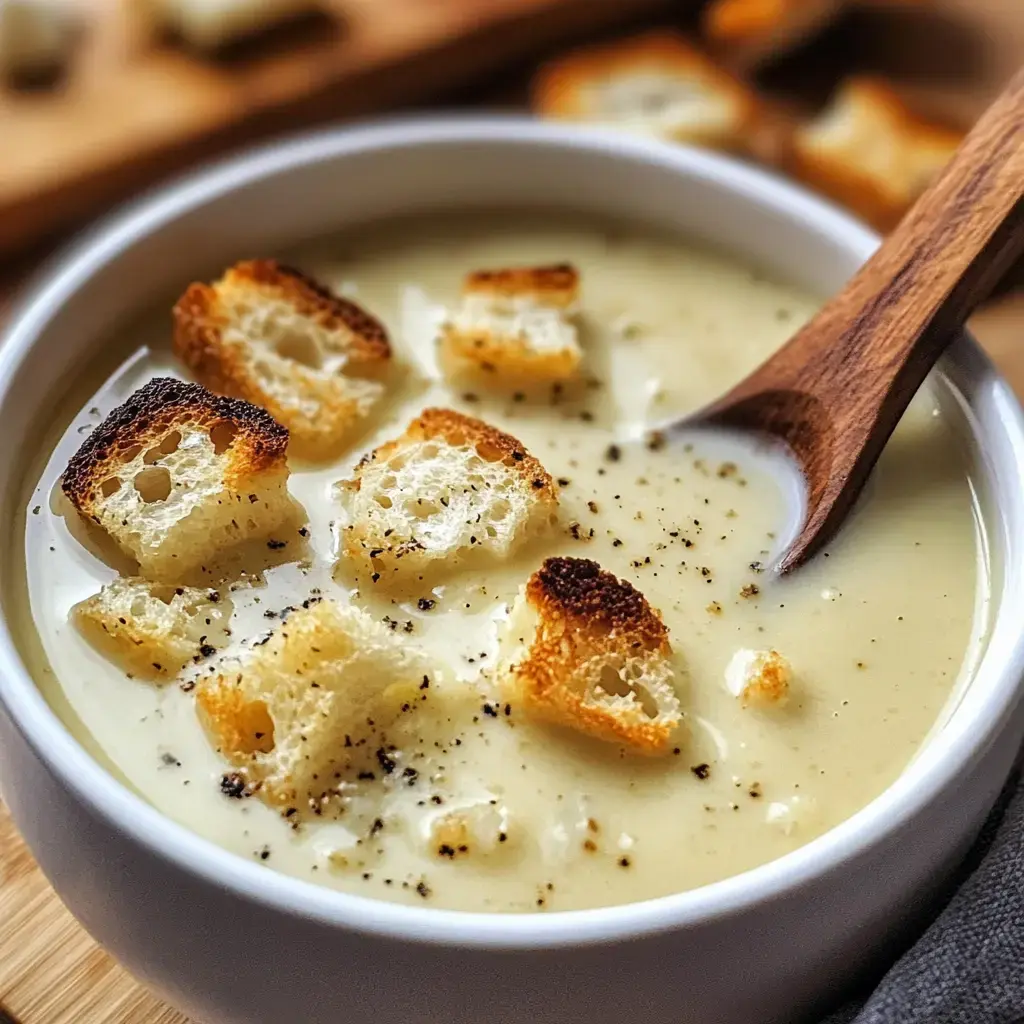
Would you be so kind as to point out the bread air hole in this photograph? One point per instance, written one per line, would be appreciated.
(255, 733)
(299, 348)
(110, 486)
(140, 603)
(421, 508)
(168, 445)
(153, 484)
(222, 436)
(621, 680)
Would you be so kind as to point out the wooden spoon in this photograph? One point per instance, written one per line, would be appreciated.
(835, 392)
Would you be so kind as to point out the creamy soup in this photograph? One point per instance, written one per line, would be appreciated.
(878, 629)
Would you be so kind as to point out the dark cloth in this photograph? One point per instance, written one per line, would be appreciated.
(968, 965)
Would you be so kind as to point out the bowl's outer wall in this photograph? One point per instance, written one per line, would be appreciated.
(227, 957)
(224, 960)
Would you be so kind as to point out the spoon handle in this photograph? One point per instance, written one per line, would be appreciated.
(880, 336)
(835, 392)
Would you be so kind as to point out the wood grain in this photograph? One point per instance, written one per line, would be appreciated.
(51, 972)
(135, 108)
(835, 392)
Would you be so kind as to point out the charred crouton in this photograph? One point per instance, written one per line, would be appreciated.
(656, 84)
(176, 475)
(311, 706)
(153, 630)
(748, 33)
(450, 488)
(515, 325)
(269, 334)
(586, 651)
(871, 153)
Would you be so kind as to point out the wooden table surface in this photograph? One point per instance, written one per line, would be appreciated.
(51, 972)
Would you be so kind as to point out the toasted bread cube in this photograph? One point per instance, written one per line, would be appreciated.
(871, 153)
(759, 678)
(312, 705)
(211, 24)
(515, 324)
(153, 629)
(481, 828)
(655, 84)
(176, 475)
(586, 651)
(449, 488)
(278, 339)
(751, 32)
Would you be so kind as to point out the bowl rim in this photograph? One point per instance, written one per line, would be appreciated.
(921, 783)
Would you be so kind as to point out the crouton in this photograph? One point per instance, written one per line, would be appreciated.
(176, 475)
(479, 829)
(586, 651)
(750, 32)
(212, 24)
(655, 84)
(869, 152)
(270, 335)
(451, 487)
(154, 630)
(515, 324)
(312, 704)
(759, 678)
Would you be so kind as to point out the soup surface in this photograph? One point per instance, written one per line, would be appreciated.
(878, 629)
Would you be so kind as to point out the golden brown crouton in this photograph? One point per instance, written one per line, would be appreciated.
(311, 705)
(176, 475)
(871, 153)
(589, 653)
(273, 336)
(657, 84)
(514, 325)
(759, 678)
(154, 630)
(749, 32)
(449, 488)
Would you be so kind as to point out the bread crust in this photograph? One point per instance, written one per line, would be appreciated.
(149, 414)
(555, 284)
(589, 599)
(586, 621)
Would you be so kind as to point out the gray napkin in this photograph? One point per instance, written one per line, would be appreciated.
(968, 965)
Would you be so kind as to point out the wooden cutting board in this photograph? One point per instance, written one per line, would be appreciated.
(135, 107)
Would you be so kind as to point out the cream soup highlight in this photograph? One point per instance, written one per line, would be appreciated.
(878, 629)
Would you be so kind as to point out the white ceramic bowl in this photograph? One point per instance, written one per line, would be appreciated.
(231, 942)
